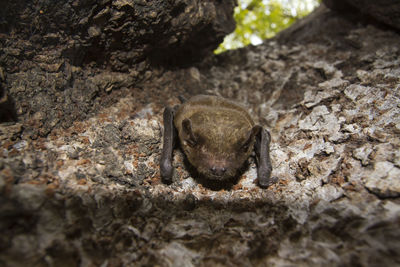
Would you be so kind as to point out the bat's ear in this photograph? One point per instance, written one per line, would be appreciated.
(256, 130)
(188, 135)
(250, 136)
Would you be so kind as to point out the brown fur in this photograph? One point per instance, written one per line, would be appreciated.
(217, 135)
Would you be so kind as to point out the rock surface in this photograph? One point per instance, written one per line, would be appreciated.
(83, 188)
(383, 11)
(75, 57)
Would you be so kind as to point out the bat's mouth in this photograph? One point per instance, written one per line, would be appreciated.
(215, 168)
(218, 177)
(218, 174)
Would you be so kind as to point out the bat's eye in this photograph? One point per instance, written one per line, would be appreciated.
(250, 138)
(189, 136)
(245, 146)
(191, 143)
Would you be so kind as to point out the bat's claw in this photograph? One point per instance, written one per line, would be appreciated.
(166, 171)
(264, 177)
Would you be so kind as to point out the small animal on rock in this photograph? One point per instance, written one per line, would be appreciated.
(217, 136)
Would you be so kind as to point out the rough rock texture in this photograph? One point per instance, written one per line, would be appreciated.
(75, 57)
(384, 11)
(86, 191)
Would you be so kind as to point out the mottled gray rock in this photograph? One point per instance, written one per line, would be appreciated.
(384, 180)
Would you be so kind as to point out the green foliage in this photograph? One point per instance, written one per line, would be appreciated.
(257, 20)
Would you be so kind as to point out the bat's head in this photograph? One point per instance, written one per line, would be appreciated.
(216, 149)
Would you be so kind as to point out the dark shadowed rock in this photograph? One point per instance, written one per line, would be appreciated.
(384, 11)
(65, 59)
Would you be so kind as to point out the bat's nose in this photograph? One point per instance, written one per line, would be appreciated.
(219, 171)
